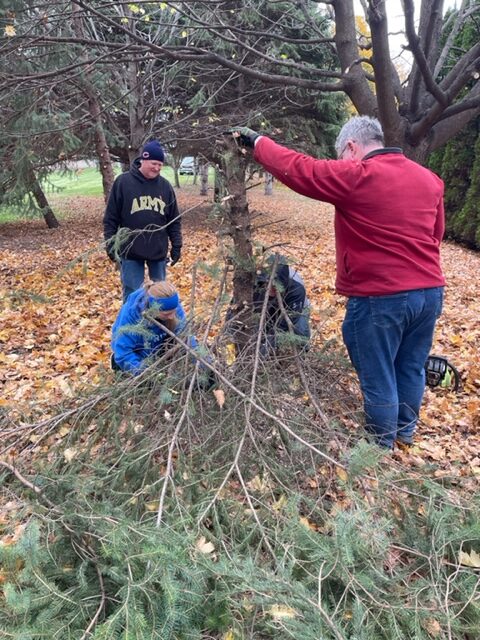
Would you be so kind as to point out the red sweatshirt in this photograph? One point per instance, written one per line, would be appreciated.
(389, 218)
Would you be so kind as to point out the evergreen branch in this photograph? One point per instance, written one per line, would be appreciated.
(27, 483)
(255, 404)
(254, 512)
(173, 443)
(291, 330)
(247, 428)
(100, 608)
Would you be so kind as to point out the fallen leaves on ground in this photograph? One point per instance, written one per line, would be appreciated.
(60, 295)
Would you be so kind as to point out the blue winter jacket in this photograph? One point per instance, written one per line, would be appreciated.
(134, 338)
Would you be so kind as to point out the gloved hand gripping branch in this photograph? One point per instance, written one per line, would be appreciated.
(245, 136)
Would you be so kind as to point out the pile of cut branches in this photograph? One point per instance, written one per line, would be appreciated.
(154, 508)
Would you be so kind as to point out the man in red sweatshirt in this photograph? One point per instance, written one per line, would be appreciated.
(389, 223)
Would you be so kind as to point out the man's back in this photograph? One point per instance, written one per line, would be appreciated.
(389, 217)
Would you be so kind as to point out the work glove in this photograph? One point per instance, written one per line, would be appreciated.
(246, 136)
(110, 249)
(175, 255)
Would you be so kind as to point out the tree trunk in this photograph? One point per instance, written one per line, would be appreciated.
(220, 188)
(268, 184)
(136, 100)
(203, 178)
(41, 200)
(176, 161)
(105, 164)
(418, 153)
(234, 168)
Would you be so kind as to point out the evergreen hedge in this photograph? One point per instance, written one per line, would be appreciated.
(458, 163)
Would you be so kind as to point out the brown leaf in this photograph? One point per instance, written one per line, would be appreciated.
(219, 397)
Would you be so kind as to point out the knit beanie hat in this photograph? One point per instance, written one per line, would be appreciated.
(153, 150)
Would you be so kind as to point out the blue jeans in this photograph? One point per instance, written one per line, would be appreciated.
(301, 327)
(388, 339)
(302, 324)
(132, 273)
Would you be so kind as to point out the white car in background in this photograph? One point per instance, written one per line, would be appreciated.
(188, 166)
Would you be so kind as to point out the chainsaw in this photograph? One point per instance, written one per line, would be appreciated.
(439, 372)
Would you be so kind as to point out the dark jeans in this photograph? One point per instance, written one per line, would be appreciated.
(133, 273)
(388, 339)
(302, 324)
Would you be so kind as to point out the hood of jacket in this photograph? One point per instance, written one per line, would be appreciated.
(138, 175)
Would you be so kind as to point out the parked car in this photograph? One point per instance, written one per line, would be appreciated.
(188, 166)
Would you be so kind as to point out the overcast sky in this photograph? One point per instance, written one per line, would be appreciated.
(396, 22)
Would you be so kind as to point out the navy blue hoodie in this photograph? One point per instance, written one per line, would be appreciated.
(144, 206)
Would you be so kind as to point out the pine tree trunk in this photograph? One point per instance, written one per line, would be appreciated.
(234, 168)
(136, 111)
(101, 147)
(41, 200)
(268, 184)
(136, 100)
(203, 179)
(219, 186)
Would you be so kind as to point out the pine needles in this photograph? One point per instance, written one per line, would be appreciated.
(277, 519)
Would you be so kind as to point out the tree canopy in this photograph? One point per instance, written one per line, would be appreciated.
(312, 46)
(85, 78)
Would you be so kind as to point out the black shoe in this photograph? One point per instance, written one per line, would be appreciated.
(113, 365)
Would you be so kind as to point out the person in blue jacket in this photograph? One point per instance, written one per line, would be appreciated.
(135, 338)
(142, 205)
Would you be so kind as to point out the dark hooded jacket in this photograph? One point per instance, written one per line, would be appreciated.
(292, 290)
(145, 207)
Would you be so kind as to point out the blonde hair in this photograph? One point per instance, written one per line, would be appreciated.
(159, 289)
(162, 289)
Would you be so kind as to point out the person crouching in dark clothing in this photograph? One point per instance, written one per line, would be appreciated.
(288, 283)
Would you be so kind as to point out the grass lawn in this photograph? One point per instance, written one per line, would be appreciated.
(83, 182)
(88, 182)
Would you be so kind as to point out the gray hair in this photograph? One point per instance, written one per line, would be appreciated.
(361, 129)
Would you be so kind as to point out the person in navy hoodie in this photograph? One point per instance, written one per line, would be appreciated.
(135, 338)
(142, 206)
(389, 223)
